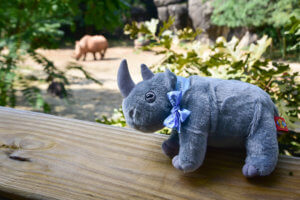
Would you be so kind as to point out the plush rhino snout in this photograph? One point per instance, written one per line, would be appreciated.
(133, 113)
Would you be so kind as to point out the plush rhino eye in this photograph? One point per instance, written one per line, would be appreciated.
(150, 97)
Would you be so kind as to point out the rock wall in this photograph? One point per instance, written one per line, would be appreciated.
(200, 12)
(143, 11)
(175, 8)
(195, 13)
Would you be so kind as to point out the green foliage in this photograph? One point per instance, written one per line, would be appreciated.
(34, 97)
(239, 13)
(24, 27)
(87, 75)
(117, 119)
(104, 14)
(289, 144)
(227, 60)
(36, 21)
(280, 12)
(244, 13)
(7, 90)
(52, 72)
(293, 32)
(268, 16)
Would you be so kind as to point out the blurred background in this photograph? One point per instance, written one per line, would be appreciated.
(257, 41)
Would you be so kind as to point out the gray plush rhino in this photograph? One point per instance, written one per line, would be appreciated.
(218, 113)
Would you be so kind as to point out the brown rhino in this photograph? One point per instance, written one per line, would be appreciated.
(93, 44)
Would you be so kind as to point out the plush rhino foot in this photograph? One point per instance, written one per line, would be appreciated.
(185, 167)
(170, 149)
(250, 171)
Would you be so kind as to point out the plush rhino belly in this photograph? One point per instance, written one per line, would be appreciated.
(233, 111)
(233, 122)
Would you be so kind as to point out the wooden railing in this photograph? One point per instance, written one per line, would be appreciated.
(48, 157)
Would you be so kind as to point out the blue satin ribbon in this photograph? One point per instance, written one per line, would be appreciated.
(177, 115)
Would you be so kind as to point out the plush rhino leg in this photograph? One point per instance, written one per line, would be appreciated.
(262, 149)
(191, 152)
(84, 57)
(94, 53)
(170, 146)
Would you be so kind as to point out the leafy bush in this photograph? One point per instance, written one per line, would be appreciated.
(255, 13)
(264, 16)
(227, 60)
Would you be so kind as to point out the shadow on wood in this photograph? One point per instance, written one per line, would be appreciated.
(48, 157)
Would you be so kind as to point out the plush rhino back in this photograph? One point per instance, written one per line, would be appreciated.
(233, 105)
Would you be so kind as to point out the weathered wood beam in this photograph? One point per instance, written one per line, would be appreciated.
(48, 157)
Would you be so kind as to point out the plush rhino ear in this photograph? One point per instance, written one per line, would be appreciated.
(125, 82)
(171, 78)
(146, 72)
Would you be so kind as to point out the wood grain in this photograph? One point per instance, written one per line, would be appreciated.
(48, 157)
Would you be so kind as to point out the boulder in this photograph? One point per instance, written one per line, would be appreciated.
(238, 32)
(163, 13)
(200, 11)
(180, 14)
(144, 11)
(173, 8)
(160, 3)
(138, 14)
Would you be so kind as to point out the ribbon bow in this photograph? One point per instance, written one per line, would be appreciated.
(177, 115)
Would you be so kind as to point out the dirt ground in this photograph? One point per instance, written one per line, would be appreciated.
(89, 100)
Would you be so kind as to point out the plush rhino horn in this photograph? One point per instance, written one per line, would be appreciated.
(146, 72)
(125, 82)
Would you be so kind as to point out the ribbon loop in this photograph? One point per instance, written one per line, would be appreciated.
(177, 115)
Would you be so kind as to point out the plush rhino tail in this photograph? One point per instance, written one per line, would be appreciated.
(276, 113)
(256, 117)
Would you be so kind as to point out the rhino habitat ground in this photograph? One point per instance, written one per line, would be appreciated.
(89, 100)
